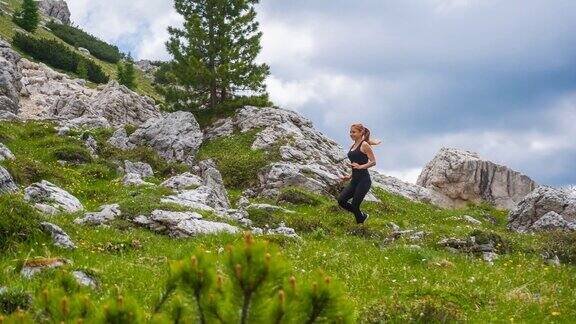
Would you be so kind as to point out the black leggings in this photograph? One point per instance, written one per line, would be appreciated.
(357, 190)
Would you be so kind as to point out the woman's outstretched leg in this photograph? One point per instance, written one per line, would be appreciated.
(359, 193)
(346, 195)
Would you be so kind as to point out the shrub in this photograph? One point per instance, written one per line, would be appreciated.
(79, 38)
(19, 223)
(56, 54)
(562, 244)
(126, 73)
(72, 153)
(251, 288)
(28, 16)
(237, 162)
(13, 300)
(298, 196)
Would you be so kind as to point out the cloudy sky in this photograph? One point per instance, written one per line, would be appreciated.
(494, 76)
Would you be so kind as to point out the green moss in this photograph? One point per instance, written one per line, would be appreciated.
(298, 196)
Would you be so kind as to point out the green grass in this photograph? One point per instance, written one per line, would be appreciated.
(383, 281)
(8, 30)
(237, 162)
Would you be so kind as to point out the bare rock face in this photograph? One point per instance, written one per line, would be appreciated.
(57, 9)
(10, 82)
(308, 158)
(545, 208)
(47, 94)
(106, 214)
(175, 136)
(464, 177)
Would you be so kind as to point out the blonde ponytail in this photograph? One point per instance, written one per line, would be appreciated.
(366, 134)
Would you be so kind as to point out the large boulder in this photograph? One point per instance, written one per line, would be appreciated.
(175, 136)
(50, 199)
(57, 9)
(545, 208)
(465, 177)
(213, 179)
(10, 82)
(59, 237)
(307, 158)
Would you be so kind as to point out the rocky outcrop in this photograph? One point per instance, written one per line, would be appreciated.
(464, 177)
(213, 179)
(84, 279)
(182, 224)
(48, 94)
(7, 183)
(307, 158)
(175, 136)
(106, 214)
(50, 199)
(142, 169)
(545, 208)
(148, 67)
(57, 9)
(59, 237)
(119, 139)
(10, 82)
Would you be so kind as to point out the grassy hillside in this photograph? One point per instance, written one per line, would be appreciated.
(397, 281)
(8, 29)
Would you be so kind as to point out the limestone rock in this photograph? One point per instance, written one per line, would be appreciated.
(32, 267)
(471, 220)
(213, 179)
(553, 221)
(183, 181)
(84, 51)
(465, 177)
(134, 179)
(7, 184)
(84, 279)
(175, 136)
(50, 199)
(283, 230)
(56, 9)
(91, 145)
(121, 106)
(408, 190)
(59, 237)
(534, 212)
(142, 169)
(270, 208)
(119, 139)
(10, 82)
(203, 197)
(308, 158)
(182, 224)
(106, 214)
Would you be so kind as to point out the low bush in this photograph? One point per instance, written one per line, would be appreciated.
(298, 196)
(56, 54)
(72, 153)
(562, 244)
(12, 300)
(79, 38)
(19, 223)
(237, 162)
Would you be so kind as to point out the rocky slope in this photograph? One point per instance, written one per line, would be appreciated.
(55, 9)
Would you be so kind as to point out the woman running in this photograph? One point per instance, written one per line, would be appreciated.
(361, 158)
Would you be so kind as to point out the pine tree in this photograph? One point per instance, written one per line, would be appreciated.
(214, 54)
(28, 16)
(127, 73)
